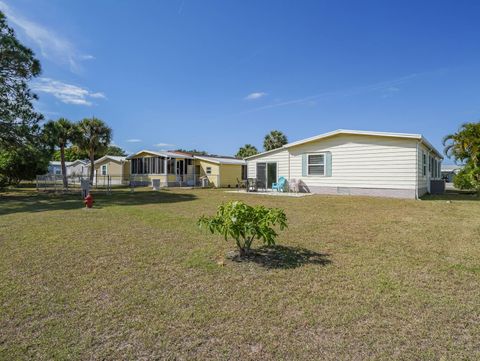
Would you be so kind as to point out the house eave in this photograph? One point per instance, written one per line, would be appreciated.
(351, 132)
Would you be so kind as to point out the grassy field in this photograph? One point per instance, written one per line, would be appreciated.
(354, 278)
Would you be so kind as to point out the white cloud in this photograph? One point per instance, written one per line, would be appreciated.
(390, 91)
(98, 95)
(254, 96)
(52, 46)
(66, 93)
(389, 85)
(133, 140)
(164, 145)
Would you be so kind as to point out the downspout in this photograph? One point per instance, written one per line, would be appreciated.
(416, 171)
(219, 177)
(429, 173)
(194, 172)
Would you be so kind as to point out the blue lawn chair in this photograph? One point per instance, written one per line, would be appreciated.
(280, 185)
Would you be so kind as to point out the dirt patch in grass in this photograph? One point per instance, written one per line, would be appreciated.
(281, 257)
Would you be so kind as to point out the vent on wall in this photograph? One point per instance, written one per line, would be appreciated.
(343, 190)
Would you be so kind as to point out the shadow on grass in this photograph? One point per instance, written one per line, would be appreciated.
(30, 201)
(283, 257)
(453, 195)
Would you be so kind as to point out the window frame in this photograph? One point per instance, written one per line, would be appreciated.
(424, 164)
(102, 172)
(208, 170)
(324, 164)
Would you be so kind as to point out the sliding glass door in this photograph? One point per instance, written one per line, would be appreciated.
(271, 174)
(266, 174)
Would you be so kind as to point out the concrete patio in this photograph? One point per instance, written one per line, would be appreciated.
(271, 193)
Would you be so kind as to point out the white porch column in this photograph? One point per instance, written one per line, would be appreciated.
(165, 166)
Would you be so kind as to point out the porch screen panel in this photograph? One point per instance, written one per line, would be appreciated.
(262, 173)
(171, 166)
(134, 166)
(162, 165)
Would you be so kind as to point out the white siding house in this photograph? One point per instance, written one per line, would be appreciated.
(353, 162)
(78, 168)
(55, 168)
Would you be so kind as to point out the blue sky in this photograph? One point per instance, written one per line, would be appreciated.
(215, 75)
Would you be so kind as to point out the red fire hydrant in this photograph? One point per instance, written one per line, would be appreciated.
(88, 201)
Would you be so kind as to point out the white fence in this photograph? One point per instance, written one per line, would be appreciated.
(55, 181)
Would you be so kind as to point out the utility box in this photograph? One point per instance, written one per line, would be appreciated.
(205, 182)
(85, 186)
(437, 186)
(156, 184)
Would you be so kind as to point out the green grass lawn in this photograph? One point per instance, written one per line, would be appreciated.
(134, 278)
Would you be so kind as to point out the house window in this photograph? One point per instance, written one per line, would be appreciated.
(424, 164)
(208, 170)
(104, 169)
(316, 164)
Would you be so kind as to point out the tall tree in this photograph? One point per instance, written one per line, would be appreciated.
(71, 153)
(246, 151)
(275, 139)
(192, 151)
(464, 147)
(60, 133)
(94, 137)
(18, 65)
(24, 161)
(114, 150)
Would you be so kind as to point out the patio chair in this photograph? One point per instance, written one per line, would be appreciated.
(292, 185)
(280, 185)
(241, 183)
(261, 186)
(252, 185)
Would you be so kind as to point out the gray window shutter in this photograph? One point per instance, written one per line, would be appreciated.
(304, 165)
(328, 164)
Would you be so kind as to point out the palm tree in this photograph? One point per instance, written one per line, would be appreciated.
(273, 140)
(61, 132)
(246, 151)
(464, 145)
(94, 137)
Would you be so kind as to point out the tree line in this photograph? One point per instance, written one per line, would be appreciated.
(273, 140)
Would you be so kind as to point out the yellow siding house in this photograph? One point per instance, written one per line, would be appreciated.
(115, 167)
(178, 169)
(220, 171)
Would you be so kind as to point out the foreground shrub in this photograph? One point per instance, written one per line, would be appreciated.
(243, 223)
